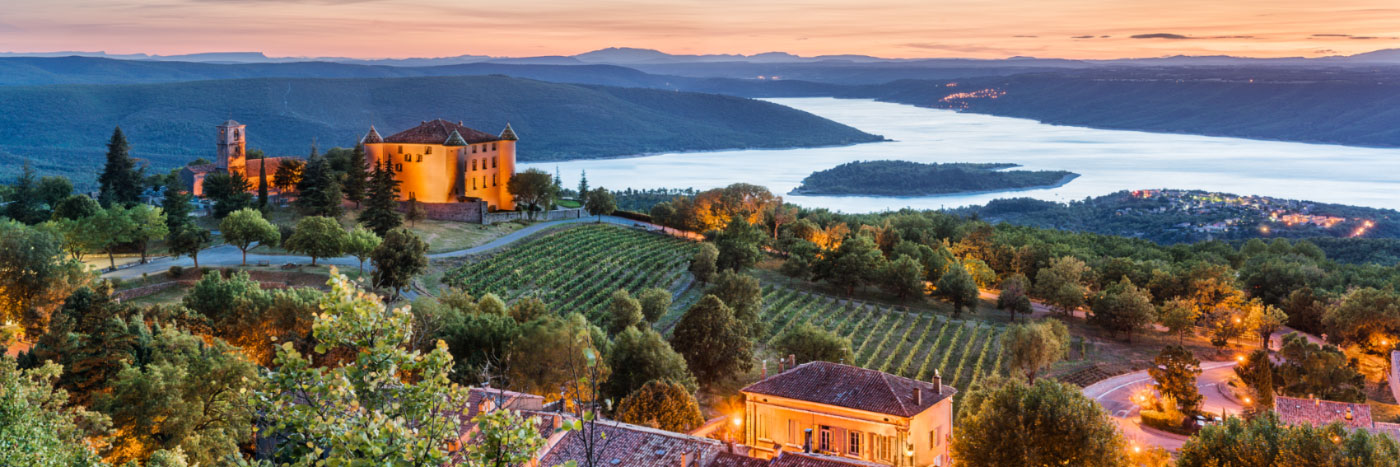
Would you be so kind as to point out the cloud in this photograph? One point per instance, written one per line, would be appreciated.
(954, 48)
(1160, 35)
(1024, 35)
(1170, 36)
(1331, 35)
(1090, 36)
(1325, 52)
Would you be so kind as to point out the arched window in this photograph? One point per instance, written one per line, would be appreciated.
(473, 149)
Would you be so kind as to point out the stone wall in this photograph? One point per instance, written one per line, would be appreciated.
(557, 214)
(466, 211)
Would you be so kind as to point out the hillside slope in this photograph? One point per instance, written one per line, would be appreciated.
(1316, 106)
(63, 128)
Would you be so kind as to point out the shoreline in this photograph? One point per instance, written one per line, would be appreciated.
(1062, 182)
(883, 139)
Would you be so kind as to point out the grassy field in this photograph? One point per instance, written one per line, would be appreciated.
(577, 268)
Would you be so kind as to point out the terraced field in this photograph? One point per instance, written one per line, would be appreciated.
(576, 269)
(909, 344)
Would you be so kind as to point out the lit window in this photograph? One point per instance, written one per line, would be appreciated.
(824, 440)
(853, 443)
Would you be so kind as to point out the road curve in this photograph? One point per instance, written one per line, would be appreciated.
(1116, 396)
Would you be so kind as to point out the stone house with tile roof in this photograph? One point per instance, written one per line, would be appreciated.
(1318, 412)
(850, 413)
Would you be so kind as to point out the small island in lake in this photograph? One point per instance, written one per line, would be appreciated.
(904, 178)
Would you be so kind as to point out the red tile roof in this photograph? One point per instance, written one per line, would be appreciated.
(851, 387)
(1389, 429)
(437, 131)
(803, 459)
(726, 459)
(627, 445)
(1295, 411)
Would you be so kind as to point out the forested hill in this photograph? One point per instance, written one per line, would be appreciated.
(1359, 108)
(63, 129)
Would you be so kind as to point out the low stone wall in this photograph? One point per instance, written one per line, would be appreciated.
(145, 290)
(466, 211)
(557, 214)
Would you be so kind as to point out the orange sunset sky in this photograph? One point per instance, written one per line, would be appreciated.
(1085, 29)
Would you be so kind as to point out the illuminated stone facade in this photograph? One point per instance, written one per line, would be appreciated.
(444, 162)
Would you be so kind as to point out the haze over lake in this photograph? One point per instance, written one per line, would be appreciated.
(1107, 161)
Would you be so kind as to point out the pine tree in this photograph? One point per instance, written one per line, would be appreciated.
(176, 206)
(120, 181)
(319, 190)
(380, 215)
(24, 200)
(356, 176)
(582, 183)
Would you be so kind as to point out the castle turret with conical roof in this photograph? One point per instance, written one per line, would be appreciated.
(372, 137)
(455, 139)
(509, 134)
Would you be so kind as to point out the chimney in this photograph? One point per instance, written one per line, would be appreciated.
(807, 441)
(918, 396)
(792, 361)
(685, 459)
(765, 369)
(937, 382)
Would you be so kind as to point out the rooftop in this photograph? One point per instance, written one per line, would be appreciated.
(805, 459)
(1317, 412)
(852, 387)
(627, 445)
(437, 132)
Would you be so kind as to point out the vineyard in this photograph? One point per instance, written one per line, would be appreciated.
(575, 270)
(909, 344)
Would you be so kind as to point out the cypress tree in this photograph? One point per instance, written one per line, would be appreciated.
(380, 215)
(119, 182)
(177, 207)
(357, 176)
(262, 182)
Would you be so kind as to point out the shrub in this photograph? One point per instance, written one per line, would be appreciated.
(176, 271)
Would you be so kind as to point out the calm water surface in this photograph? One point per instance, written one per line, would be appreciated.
(1107, 160)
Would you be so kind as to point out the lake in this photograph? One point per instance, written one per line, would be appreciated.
(1107, 161)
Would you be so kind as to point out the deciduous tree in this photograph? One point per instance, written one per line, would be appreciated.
(744, 296)
(229, 191)
(1007, 422)
(655, 302)
(809, 343)
(37, 425)
(360, 243)
(600, 202)
(1175, 371)
(398, 259)
(957, 287)
(317, 237)
(642, 355)
(1063, 285)
(188, 241)
(661, 404)
(1178, 316)
(1265, 441)
(532, 188)
(1123, 308)
(1014, 298)
(702, 266)
(246, 229)
(903, 277)
(1033, 347)
(623, 311)
(386, 406)
(712, 341)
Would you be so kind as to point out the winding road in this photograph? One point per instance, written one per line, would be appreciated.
(228, 255)
(1116, 396)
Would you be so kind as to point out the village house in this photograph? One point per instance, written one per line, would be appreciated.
(1318, 412)
(852, 413)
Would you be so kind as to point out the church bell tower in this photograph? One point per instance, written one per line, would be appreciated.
(232, 143)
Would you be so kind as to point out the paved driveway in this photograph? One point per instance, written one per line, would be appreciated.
(1116, 396)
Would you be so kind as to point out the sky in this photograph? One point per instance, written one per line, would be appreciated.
(1077, 29)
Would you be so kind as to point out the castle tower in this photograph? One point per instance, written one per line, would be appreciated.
(507, 156)
(232, 144)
